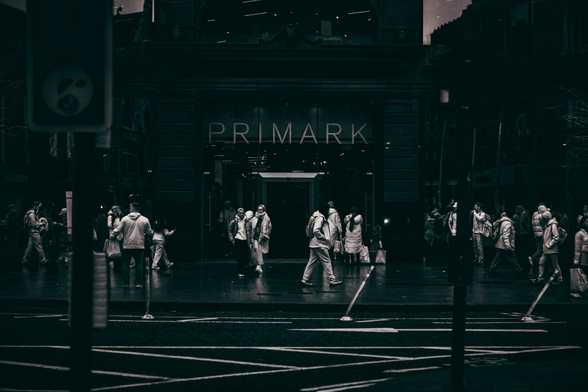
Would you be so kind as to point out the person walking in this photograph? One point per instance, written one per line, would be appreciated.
(157, 249)
(34, 227)
(505, 245)
(261, 228)
(452, 219)
(538, 228)
(353, 241)
(335, 229)
(113, 251)
(225, 217)
(319, 247)
(237, 233)
(134, 227)
(581, 251)
(479, 219)
(375, 243)
(550, 250)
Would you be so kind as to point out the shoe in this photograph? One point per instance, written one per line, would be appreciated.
(480, 262)
(241, 275)
(126, 286)
(154, 267)
(575, 295)
(306, 283)
(44, 261)
(169, 265)
(138, 286)
(335, 282)
(531, 261)
(258, 269)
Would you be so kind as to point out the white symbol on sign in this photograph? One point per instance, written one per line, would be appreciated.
(67, 90)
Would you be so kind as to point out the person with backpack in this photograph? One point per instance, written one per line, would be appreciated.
(538, 228)
(318, 230)
(504, 234)
(553, 236)
(34, 227)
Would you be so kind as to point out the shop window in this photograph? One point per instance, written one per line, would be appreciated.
(334, 21)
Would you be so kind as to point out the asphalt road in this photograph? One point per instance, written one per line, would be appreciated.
(277, 351)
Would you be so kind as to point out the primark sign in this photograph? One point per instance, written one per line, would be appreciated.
(288, 124)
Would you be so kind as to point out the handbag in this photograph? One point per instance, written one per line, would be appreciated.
(112, 249)
(337, 246)
(486, 229)
(578, 281)
(256, 256)
(364, 255)
(381, 256)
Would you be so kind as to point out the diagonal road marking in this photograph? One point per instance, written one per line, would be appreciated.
(330, 353)
(394, 330)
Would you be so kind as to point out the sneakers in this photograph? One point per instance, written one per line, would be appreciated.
(154, 267)
(258, 269)
(306, 283)
(335, 282)
(576, 295)
(138, 286)
(133, 264)
(241, 275)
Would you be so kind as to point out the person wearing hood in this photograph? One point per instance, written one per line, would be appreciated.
(239, 238)
(335, 228)
(538, 228)
(225, 217)
(134, 227)
(319, 247)
(550, 250)
(261, 228)
(505, 244)
(353, 240)
(34, 227)
(112, 221)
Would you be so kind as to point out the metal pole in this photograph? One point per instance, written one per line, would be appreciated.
(497, 183)
(148, 316)
(346, 317)
(527, 316)
(441, 159)
(81, 265)
(458, 336)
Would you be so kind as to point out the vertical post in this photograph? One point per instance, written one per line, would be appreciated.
(82, 264)
(441, 159)
(497, 179)
(458, 336)
(473, 169)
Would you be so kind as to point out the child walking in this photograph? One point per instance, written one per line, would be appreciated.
(158, 249)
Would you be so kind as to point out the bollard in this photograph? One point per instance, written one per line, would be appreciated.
(527, 316)
(346, 317)
(147, 315)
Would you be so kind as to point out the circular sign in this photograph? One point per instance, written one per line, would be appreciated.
(67, 90)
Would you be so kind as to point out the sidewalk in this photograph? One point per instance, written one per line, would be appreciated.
(215, 284)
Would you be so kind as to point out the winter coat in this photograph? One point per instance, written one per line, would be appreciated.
(134, 228)
(335, 226)
(234, 229)
(353, 240)
(581, 248)
(551, 237)
(452, 222)
(537, 218)
(32, 222)
(266, 227)
(321, 232)
(506, 239)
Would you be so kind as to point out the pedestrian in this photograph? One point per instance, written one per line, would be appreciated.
(479, 219)
(319, 247)
(353, 241)
(237, 233)
(47, 231)
(452, 219)
(505, 244)
(134, 227)
(375, 243)
(261, 228)
(551, 240)
(583, 214)
(251, 260)
(114, 251)
(33, 226)
(335, 229)
(538, 228)
(102, 232)
(581, 250)
(160, 235)
(62, 236)
(225, 217)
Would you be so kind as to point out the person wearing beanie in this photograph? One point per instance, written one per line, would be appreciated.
(505, 245)
(550, 250)
(538, 228)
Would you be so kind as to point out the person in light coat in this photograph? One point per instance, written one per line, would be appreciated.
(261, 228)
(319, 248)
(353, 240)
(550, 250)
(335, 228)
(505, 245)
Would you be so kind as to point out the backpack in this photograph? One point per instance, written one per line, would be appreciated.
(562, 233)
(310, 227)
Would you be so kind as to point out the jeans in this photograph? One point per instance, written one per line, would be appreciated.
(242, 253)
(36, 241)
(139, 256)
(551, 258)
(506, 254)
(478, 247)
(159, 252)
(322, 255)
(537, 255)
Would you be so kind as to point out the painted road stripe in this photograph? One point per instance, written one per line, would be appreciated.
(372, 321)
(343, 385)
(411, 370)
(139, 320)
(504, 322)
(62, 368)
(309, 351)
(41, 316)
(392, 330)
(195, 359)
(300, 347)
(200, 319)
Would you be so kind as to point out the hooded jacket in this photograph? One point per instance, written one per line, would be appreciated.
(134, 228)
(321, 231)
(506, 240)
(32, 222)
(551, 238)
(537, 226)
(335, 225)
(581, 247)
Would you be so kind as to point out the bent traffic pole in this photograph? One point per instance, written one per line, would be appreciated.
(346, 317)
(148, 316)
(527, 316)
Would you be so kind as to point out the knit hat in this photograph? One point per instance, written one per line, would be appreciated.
(249, 215)
(546, 215)
(241, 210)
(542, 209)
(64, 211)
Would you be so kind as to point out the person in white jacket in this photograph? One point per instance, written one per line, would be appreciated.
(335, 229)
(319, 247)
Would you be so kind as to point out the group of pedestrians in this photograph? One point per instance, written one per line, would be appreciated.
(545, 231)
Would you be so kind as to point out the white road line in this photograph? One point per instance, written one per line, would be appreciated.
(329, 353)
(393, 330)
(411, 370)
(62, 368)
(348, 388)
(504, 322)
(343, 385)
(40, 316)
(195, 359)
(200, 319)
(139, 320)
(372, 321)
